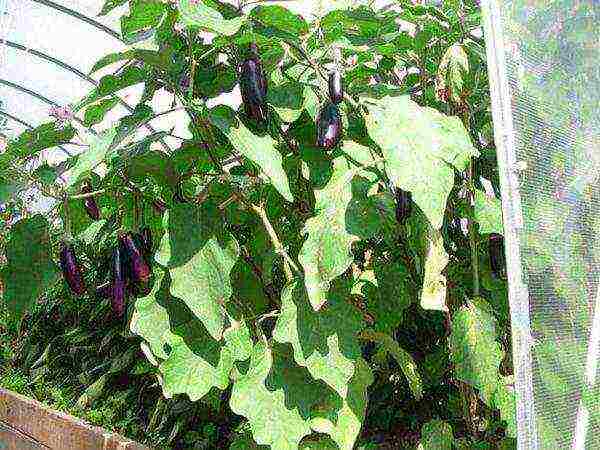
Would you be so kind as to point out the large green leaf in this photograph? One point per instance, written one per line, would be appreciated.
(197, 14)
(271, 420)
(92, 157)
(279, 21)
(258, 149)
(30, 270)
(488, 213)
(200, 256)
(326, 253)
(344, 424)
(192, 362)
(421, 147)
(388, 294)
(474, 351)
(325, 342)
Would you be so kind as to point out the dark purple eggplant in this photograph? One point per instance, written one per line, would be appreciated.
(497, 258)
(118, 282)
(336, 89)
(140, 270)
(403, 205)
(89, 203)
(253, 86)
(329, 126)
(71, 269)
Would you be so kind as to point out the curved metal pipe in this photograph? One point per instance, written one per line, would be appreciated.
(74, 70)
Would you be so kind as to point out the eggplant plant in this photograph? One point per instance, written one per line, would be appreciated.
(292, 254)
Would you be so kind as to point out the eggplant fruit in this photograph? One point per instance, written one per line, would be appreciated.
(118, 283)
(253, 86)
(143, 239)
(138, 267)
(71, 269)
(329, 126)
(403, 205)
(89, 203)
(497, 258)
(336, 89)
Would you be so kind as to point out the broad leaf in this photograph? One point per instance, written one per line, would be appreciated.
(474, 351)
(271, 420)
(200, 256)
(324, 341)
(197, 14)
(326, 253)
(421, 147)
(192, 361)
(258, 149)
(279, 21)
(488, 213)
(344, 424)
(30, 270)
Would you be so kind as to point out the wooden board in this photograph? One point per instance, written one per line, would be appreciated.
(28, 425)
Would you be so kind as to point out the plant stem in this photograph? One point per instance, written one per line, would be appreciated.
(288, 263)
(87, 194)
(472, 232)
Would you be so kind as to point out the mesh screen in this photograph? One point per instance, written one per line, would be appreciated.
(543, 58)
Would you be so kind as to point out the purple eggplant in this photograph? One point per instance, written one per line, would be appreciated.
(336, 89)
(140, 270)
(118, 283)
(497, 258)
(329, 127)
(71, 269)
(89, 203)
(403, 205)
(253, 86)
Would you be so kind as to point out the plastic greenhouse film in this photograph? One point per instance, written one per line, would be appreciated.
(544, 80)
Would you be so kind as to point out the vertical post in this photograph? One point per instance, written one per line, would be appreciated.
(513, 223)
(591, 367)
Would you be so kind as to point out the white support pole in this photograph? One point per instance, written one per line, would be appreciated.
(591, 368)
(504, 134)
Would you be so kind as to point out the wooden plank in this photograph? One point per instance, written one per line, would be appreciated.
(28, 422)
(14, 439)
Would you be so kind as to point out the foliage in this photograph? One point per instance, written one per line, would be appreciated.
(282, 281)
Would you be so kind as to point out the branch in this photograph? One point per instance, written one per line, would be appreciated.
(87, 194)
(287, 261)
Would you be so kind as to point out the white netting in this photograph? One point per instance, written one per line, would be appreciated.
(543, 62)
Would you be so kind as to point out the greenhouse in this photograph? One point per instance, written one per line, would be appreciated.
(315, 225)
